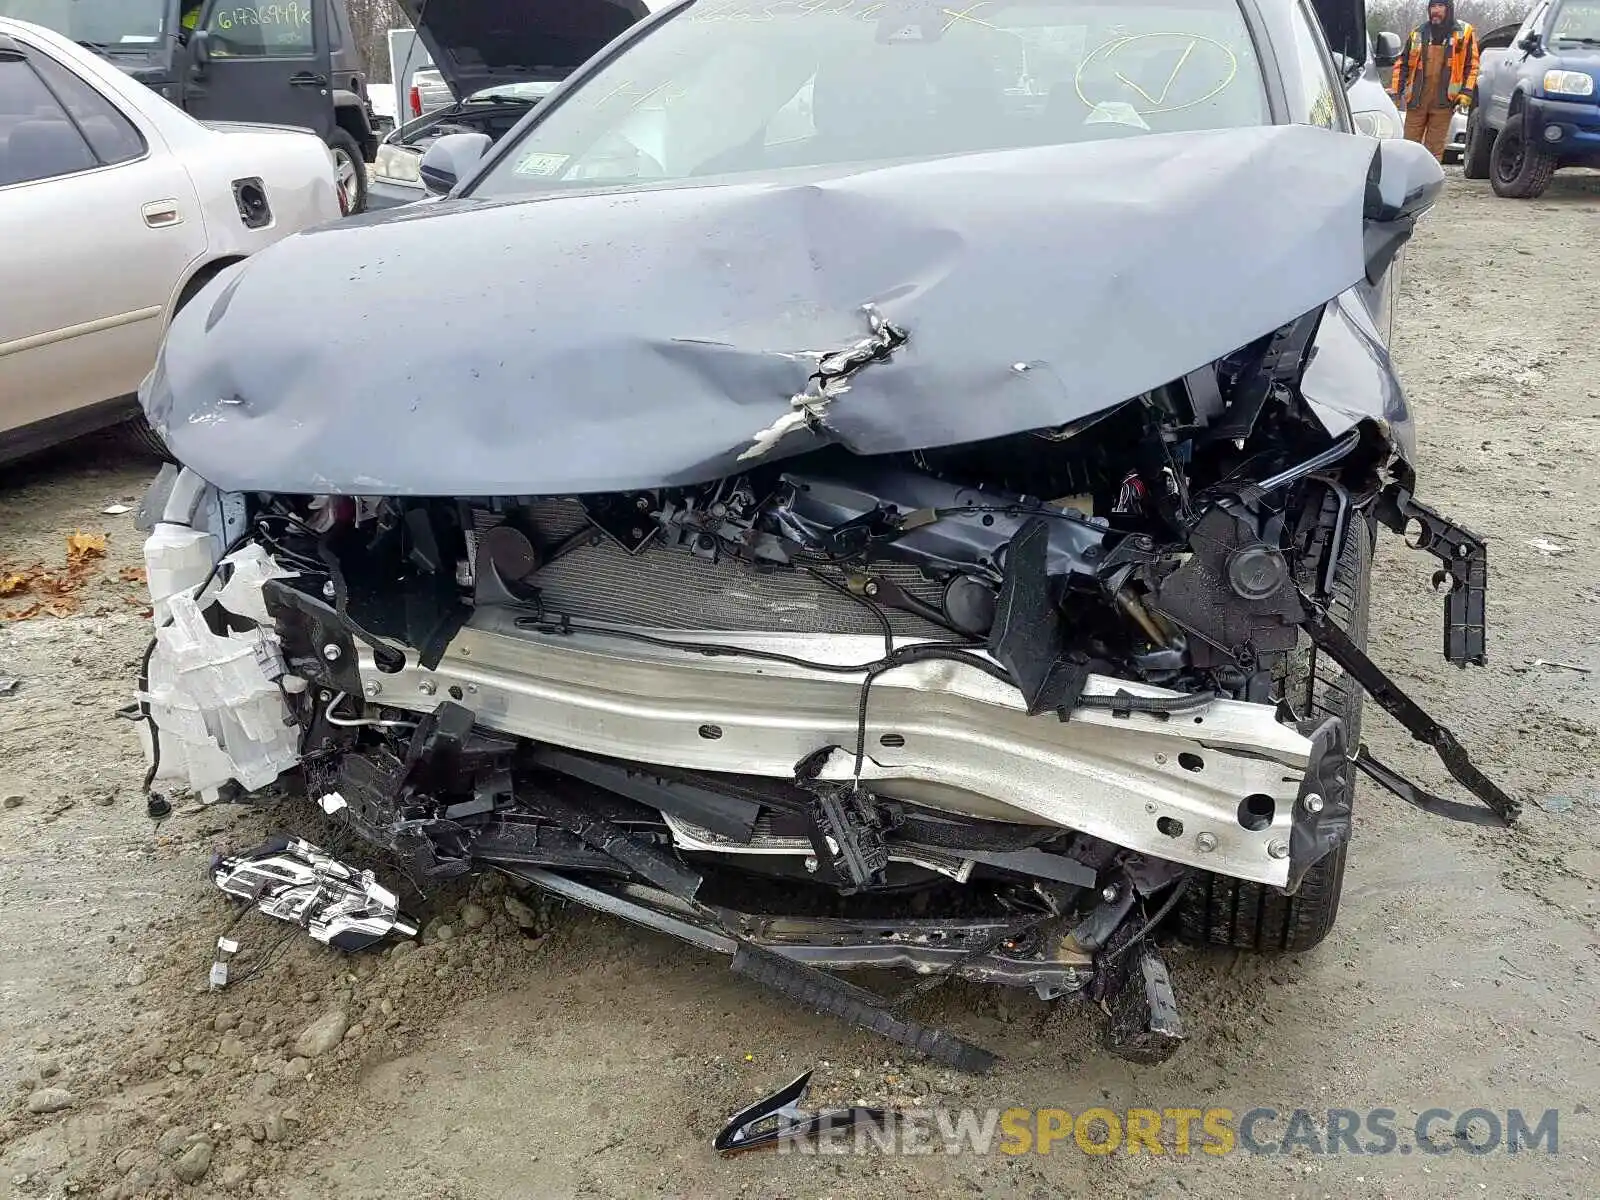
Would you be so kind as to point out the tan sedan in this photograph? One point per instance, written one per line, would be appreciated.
(116, 208)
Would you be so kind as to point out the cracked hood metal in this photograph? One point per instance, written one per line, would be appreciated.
(598, 342)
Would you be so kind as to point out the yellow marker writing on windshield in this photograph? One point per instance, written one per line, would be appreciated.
(1113, 48)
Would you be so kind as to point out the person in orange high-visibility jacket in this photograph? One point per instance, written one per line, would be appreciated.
(1437, 73)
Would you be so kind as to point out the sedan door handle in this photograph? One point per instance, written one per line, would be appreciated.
(308, 79)
(161, 214)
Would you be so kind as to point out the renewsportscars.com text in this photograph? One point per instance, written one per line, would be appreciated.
(1186, 1132)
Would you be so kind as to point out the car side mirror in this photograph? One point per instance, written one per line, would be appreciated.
(1349, 69)
(200, 47)
(446, 161)
(1386, 49)
(1402, 184)
(1532, 43)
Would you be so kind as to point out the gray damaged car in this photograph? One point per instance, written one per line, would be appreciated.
(873, 487)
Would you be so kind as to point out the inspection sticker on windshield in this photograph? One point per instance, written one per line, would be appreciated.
(536, 163)
(1116, 112)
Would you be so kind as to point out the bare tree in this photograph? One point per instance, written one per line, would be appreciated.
(1400, 16)
(370, 22)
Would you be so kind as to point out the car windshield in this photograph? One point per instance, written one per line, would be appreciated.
(1577, 23)
(101, 24)
(735, 86)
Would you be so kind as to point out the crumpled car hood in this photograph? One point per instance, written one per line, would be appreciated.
(601, 341)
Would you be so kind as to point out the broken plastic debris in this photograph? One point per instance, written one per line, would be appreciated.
(777, 1119)
(115, 510)
(1565, 666)
(252, 569)
(220, 717)
(226, 948)
(332, 803)
(294, 881)
(9, 684)
(1548, 548)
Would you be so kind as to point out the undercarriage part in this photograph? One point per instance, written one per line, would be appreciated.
(820, 991)
(643, 859)
(779, 971)
(1135, 989)
(1465, 556)
(778, 1119)
(294, 881)
(1337, 644)
(719, 810)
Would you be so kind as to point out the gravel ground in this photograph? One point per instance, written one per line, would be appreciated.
(524, 1051)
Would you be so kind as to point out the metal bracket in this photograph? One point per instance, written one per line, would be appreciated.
(1336, 643)
(1402, 787)
(1465, 556)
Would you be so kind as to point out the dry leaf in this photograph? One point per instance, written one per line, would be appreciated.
(13, 583)
(81, 547)
(22, 614)
(127, 575)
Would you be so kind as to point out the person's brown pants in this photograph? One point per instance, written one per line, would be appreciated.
(1430, 126)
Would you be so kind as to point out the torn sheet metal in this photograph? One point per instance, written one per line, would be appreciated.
(664, 358)
(294, 881)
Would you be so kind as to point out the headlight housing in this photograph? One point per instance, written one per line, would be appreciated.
(1376, 123)
(1569, 83)
(398, 162)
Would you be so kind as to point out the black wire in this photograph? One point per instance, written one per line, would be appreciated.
(711, 649)
(144, 712)
(1167, 906)
(875, 609)
(904, 657)
(1127, 702)
(266, 960)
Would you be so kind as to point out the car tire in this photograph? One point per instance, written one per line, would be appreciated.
(1518, 169)
(1480, 144)
(1218, 910)
(138, 436)
(350, 171)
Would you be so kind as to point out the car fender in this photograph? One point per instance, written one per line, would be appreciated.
(296, 174)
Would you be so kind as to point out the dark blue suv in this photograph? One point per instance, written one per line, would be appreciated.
(1538, 101)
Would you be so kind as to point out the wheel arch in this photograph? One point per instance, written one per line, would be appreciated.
(197, 279)
(350, 115)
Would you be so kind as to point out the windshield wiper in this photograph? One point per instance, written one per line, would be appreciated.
(1582, 41)
(111, 47)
